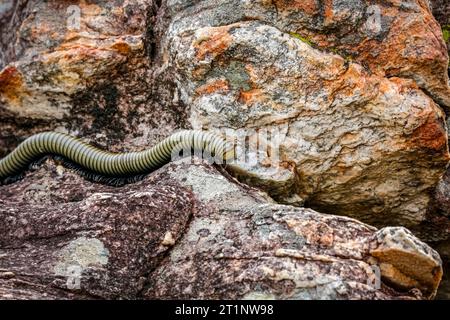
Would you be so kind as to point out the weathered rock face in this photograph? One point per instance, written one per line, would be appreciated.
(375, 35)
(333, 103)
(441, 11)
(344, 84)
(187, 231)
(355, 137)
(45, 66)
(89, 76)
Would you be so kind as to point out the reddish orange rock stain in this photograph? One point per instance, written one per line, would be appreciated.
(307, 6)
(11, 83)
(328, 12)
(404, 84)
(431, 135)
(250, 96)
(212, 87)
(122, 48)
(218, 42)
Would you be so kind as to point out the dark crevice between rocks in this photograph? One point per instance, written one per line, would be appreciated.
(88, 175)
(438, 220)
(150, 42)
(443, 292)
(100, 104)
(225, 172)
(441, 11)
(444, 108)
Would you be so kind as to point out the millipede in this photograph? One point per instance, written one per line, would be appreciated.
(84, 156)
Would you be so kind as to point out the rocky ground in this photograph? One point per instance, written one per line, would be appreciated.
(192, 231)
(339, 111)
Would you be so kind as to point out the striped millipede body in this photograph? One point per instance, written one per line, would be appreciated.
(109, 163)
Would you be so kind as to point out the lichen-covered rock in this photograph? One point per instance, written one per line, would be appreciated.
(43, 67)
(351, 140)
(441, 11)
(348, 86)
(90, 76)
(348, 90)
(384, 37)
(61, 232)
(189, 231)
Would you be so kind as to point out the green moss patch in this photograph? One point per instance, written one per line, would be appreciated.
(305, 40)
(446, 32)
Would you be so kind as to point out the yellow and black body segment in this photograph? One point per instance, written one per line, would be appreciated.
(109, 163)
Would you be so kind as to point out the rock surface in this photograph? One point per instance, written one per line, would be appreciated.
(355, 135)
(358, 130)
(91, 76)
(337, 106)
(188, 231)
(441, 11)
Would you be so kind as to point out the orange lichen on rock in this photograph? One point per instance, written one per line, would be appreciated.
(328, 11)
(122, 48)
(215, 42)
(431, 134)
(11, 84)
(89, 48)
(251, 96)
(419, 53)
(307, 6)
(219, 85)
(354, 79)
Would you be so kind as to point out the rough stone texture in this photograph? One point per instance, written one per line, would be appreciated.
(377, 35)
(441, 11)
(442, 194)
(188, 231)
(355, 105)
(94, 80)
(355, 138)
(358, 133)
(56, 224)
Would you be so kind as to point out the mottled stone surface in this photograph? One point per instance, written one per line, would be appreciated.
(355, 136)
(91, 78)
(360, 132)
(377, 35)
(352, 88)
(441, 11)
(188, 231)
(56, 227)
